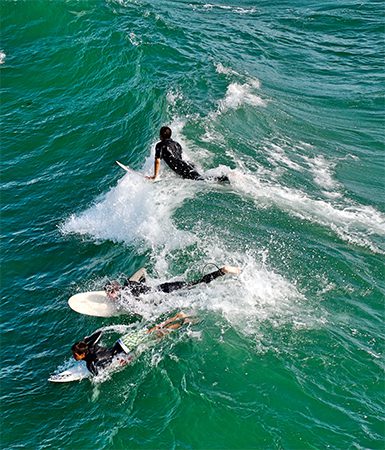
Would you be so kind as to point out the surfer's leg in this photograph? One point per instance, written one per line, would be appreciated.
(187, 170)
(173, 323)
(218, 273)
(172, 286)
(194, 175)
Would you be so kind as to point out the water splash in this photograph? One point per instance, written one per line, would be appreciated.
(351, 222)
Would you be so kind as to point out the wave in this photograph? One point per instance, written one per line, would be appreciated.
(234, 9)
(353, 223)
(240, 94)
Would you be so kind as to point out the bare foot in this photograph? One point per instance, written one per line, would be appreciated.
(231, 269)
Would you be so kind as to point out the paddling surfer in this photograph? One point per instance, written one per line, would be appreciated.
(171, 152)
(136, 285)
(98, 358)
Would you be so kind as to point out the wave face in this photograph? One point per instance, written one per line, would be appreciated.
(287, 101)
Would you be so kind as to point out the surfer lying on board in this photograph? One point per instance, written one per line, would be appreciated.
(98, 357)
(136, 286)
(171, 152)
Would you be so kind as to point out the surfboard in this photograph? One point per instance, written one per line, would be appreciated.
(128, 169)
(94, 303)
(77, 372)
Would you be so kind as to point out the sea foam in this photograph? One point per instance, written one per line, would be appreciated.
(352, 222)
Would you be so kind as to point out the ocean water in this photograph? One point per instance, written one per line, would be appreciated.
(287, 99)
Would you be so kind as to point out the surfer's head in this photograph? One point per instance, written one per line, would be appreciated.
(79, 350)
(165, 133)
(112, 289)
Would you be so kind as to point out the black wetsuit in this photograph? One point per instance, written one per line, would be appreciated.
(137, 288)
(99, 357)
(171, 152)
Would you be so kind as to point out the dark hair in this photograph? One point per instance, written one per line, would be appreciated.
(79, 348)
(165, 133)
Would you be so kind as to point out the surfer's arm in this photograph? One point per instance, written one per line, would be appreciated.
(156, 169)
(92, 367)
(94, 338)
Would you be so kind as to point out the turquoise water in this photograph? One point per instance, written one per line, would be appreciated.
(287, 98)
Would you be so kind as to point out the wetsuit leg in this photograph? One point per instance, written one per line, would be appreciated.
(187, 170)
(193, 175)
(210, 277)
(175, 285)
(172, 286)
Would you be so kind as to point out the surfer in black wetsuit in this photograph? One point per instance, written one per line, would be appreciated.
(95, 356)
(114, 289)
(98, 358)
(171, 152)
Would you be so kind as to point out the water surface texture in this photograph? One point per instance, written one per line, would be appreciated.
(287, 99)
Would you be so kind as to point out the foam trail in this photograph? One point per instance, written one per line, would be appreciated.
(352, 223)
(258, 294)
(135, 211)
(140, 211)
(322, 169)
(233, 9)
(278, 157)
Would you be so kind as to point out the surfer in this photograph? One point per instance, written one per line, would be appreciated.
(98, 357)
(171, 152)
(136, 285)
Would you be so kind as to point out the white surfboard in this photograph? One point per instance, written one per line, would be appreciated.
(128, 169)
(77, 372)
(94, 303)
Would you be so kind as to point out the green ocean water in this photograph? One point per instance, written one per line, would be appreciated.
(287, 98)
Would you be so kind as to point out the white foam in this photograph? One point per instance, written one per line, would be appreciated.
(277, 157)
(220, 68)
(235, 9)
(135, 211)
(241, 94)
(322, 170)
(134, 39)
(173, 97)
(2, 57)
(351, 222)
(257, 295)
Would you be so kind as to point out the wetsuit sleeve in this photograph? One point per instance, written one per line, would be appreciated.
(93, 339)
(158, 151)
(92, 367)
